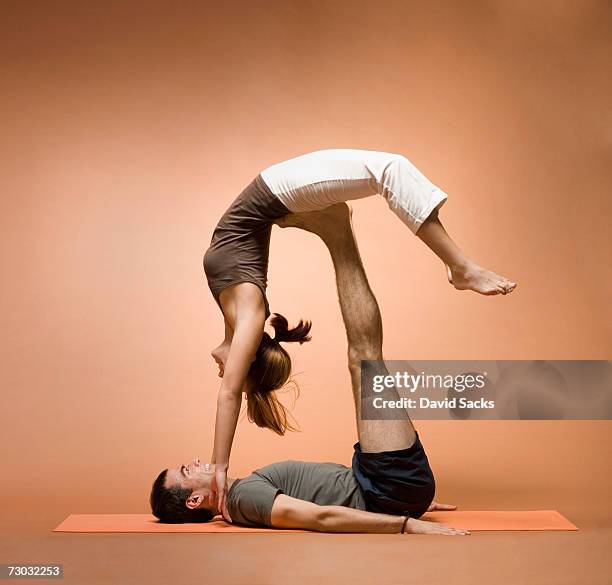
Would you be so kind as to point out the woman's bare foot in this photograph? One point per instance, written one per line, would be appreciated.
(471, 276)
(327, 223)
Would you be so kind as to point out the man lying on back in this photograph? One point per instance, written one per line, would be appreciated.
(324, 497)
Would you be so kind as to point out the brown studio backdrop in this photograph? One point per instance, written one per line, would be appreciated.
(130, 127)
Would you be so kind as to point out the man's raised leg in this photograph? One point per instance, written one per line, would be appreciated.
(362, 321)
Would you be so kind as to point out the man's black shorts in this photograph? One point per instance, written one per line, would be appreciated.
(395, 482)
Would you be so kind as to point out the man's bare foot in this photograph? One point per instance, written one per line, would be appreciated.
(327, 223)
(471, 276)
(414, 526)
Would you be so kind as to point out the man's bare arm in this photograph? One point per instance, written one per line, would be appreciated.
(288, 512)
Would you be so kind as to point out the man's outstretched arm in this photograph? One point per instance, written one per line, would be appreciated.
(288, 512)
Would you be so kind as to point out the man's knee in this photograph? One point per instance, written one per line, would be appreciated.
(366, 350)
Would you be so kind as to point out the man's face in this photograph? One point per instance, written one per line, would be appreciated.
(194, 476)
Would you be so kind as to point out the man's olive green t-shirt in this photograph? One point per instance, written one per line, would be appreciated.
(250, 500)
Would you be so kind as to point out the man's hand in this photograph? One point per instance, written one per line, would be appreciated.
(218, 488)
(414, 526)
(435, 507)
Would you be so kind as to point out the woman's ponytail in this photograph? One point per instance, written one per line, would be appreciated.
(270, 371)
(299, 333)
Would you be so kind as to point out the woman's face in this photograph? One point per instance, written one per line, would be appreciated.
(219, 354)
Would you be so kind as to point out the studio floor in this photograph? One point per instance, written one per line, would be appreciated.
(578, 487)
(581, 557)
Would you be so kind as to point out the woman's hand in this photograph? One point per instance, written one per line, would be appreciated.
(218, 489)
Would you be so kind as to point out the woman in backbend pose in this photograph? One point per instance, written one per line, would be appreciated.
(236, 264)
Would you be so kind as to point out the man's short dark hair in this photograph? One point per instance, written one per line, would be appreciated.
(168, 504)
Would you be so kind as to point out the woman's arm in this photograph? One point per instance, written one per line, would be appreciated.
(229, 334)
(247, 336)
(248, 315)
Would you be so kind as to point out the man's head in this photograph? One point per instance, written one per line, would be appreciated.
(180, 494)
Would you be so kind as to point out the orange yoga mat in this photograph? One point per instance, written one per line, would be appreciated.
(472, 520)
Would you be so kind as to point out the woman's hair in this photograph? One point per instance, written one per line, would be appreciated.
(270, 371)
